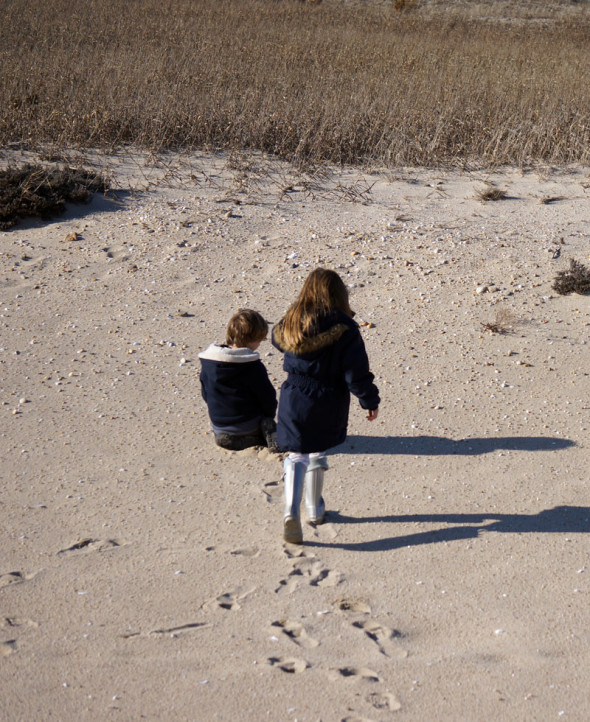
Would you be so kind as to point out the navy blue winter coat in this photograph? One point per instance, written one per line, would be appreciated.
(322, 372)
(236, 388)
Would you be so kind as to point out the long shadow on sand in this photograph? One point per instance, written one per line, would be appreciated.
(441, 446)
(560, 519)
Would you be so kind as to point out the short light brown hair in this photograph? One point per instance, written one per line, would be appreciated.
(244, 327)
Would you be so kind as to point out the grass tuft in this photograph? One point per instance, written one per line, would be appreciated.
(503, 322)
(36, 190)
(491, 193)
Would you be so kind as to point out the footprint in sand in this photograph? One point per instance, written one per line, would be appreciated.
(7, 647)
(384, 701)
(290, 584)
(353, 605)
(88, 545)
(316, 573)
(230, 600)
(14, 578)
(286, 587)
(13, 622)
(119, 254)
(383, 637)
(273, 491)
(307, 566)
(292, 665)
(354, 673)
(296, 632)
(325, 532)
(296, 552)
(246, 552)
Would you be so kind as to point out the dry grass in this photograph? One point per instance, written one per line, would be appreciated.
(504, 322)
(309, 82)
(36, 190)
(404, 5)
(491, 193)
(575, 279)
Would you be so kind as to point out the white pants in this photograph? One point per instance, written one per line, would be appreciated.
(318, 458)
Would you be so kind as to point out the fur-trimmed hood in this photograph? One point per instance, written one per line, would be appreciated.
(225, 354)
(309, 344)
(322, 372)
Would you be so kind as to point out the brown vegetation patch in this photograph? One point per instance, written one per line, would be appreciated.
(575, 279)
(402, 5)
(503, 322)
(491, 193)
(35, 190)
(357, 82)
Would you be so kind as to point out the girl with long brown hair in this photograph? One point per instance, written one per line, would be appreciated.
(326, 361)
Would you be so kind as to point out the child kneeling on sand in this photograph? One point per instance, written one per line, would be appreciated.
(235, 386)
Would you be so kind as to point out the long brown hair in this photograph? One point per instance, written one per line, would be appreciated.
(323, 291)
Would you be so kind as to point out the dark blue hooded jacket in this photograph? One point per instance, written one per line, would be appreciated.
(236, 388)
(322, 372)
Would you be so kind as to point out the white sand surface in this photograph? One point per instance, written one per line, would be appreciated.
(142, 570)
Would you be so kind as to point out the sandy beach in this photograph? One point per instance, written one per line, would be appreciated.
(142, 569)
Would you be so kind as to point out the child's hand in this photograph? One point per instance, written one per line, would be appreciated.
(372, 414)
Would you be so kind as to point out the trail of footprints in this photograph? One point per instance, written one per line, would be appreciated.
(306, 567)
(10, 626)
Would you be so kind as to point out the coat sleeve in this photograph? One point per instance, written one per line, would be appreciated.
(355, 366)
(263, 390)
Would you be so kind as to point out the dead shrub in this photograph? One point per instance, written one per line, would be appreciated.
(503, 322)
(36, 190)
(575, 279)
(491, 193)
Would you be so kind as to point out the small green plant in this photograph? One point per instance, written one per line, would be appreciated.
(36, 190)
(575, 279)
